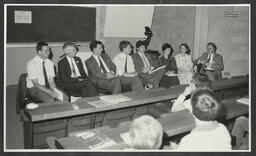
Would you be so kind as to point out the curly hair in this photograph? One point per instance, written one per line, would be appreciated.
(206, 105)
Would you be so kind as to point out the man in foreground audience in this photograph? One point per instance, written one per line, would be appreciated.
(72, 75)
(208, 134)
(102, 70)
(40, 80)
(199, 80)
(146, 133)
(125, 67)
(144, 66)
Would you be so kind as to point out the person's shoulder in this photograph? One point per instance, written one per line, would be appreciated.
(90, 59)
(218, 55)
(62, 60)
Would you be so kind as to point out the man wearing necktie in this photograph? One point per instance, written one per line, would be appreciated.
(102, 70)
(40, 79)
(145, 66)
(212, 63)
(72, 76)
(125, 67)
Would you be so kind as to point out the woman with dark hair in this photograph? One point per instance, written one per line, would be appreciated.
(208, 134)
(170, 78)
(184, 64)
(210, 62)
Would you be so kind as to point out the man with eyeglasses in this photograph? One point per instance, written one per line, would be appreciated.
(72, 76)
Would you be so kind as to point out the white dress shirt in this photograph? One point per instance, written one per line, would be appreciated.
(70, 60)
(103, 62)
(35, 71)
(119, 60)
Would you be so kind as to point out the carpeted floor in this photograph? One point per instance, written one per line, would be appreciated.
(14, 129)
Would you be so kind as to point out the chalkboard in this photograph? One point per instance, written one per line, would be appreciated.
(52, 24)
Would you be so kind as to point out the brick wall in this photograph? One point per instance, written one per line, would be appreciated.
(231, 37)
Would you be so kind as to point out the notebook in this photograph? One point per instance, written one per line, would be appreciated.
(95, 139)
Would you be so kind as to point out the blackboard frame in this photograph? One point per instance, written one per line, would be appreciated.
(57, 43)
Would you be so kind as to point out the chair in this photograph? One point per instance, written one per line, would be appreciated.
(22, 97)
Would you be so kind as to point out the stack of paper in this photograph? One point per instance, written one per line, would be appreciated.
(244, 100)
(114, 98)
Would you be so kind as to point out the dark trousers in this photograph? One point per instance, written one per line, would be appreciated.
(168, 81)
(113, 85)
(154, 78)
(81, 88)
(39, 95)
(133, 82)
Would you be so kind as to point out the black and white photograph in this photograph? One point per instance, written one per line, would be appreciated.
(127, 78)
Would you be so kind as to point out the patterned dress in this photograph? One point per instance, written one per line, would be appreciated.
(185, 68)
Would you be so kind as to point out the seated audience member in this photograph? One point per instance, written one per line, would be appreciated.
(208, 134)
(184, 64)
(40, 79)
(210, 62)
(102, 70)
(240, 132)
(125, 67)
(144, 68)
(72, 75)
(169, 79)
(199, 80)
(146, 133)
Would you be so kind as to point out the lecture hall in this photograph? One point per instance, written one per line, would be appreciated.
(127, 77)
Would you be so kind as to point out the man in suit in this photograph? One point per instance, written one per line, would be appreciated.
(211, 63)
(145, 66)
(102, 70)
(72, 75)
(40, 79)
(125, 67)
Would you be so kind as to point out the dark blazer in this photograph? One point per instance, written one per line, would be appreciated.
(217, 65)
(94, 69)
(64, 70)
(170, 64)
(138, 62)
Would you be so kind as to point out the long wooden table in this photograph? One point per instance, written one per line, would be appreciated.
(63, 112)
(173, 124)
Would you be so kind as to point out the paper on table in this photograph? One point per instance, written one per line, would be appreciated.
(244, 100)
(114, 98)
(60, 94)
(100, 103)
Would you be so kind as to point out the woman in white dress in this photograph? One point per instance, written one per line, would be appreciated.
(184, 64)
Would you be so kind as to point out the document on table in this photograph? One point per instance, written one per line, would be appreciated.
(60, 94)
(114, 98)
(244, 100)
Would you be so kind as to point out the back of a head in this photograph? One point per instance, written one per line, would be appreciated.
(201, 80)
(146, 133)
(206, 105)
